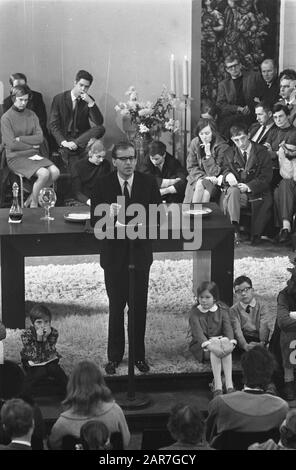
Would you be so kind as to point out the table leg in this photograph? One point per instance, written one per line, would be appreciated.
(222, 260)
(12, 286)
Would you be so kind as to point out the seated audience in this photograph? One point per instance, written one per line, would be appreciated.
(208, 109)
(94, 435)
(17, 420)
(235, 98)
(247, 176)
(88, 398)
(208, 320)
(286, 319)
(23, 139)
(69, 122)
(39, 355)
(36, 102)
(87, 171)
(204, 162)
(11, 386)
(260, 130)
(168, 172)
(186, 426)
(288, 92)
(252, 409)
(249, 316)
(287, 436)
(270, 88)
(279, 144)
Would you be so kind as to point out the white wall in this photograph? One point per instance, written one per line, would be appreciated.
(287, 53)
(121, 42)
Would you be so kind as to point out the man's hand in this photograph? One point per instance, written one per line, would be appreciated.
(69, 145)
(39, 333)
(268, 146)
(85, 97)
(243, 187)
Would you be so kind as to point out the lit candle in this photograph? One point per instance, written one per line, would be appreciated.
(173, 74)
(185, 76)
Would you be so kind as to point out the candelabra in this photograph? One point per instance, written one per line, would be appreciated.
(185, 99)
(173, 96)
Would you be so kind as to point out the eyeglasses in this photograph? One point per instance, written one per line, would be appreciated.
(243, 291)
(126, 159)
(233, 66)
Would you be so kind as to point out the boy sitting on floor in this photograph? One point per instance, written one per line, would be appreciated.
(249, 316)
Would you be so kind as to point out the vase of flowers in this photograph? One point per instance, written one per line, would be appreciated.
(144, 121)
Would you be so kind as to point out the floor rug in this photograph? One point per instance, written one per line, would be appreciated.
(77, 298)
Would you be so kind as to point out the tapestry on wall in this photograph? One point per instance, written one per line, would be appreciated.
(247, 28)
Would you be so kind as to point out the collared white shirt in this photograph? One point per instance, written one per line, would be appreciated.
(252, 304)
(18, 441)
(129, 183)
(73, 98)
(267, 127)
(256, 389)
(212, 309)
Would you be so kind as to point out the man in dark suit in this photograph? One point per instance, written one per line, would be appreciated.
(132, 187)
(288, 93)
(247, 176)
(236, 94)
(35, 103)
(17, 420)
(69, 121)
(260, 130)
(168, 172)
(269, 91)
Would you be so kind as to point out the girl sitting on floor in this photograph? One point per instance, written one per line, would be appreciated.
(212, 334)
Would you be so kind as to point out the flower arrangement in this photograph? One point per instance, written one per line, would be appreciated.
(149, 117)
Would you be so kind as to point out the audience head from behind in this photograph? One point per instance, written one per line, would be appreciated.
(17, 78)
(288, 84)
(40, 317)
(206, 131)
(82, 83)
(208, 109)
(17, 419)
(239, 136)
(268, 70)
(124, 159)
(263, 113)
(95, 151)
(20, 96)
(233, 66)
(185, 423)
(86, 388)
(281, 114)
(94, 435)
(157, 152)
(288, 430)
(243, 289)
(258, 365)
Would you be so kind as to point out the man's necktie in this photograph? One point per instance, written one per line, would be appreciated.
(126, 192)
(261, 134)
(75, 115)
(248, 308)
(245, 156)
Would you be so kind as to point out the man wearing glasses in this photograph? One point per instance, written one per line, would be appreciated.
(136, 188)
(236, 95)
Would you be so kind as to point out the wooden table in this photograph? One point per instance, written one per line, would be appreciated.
(34, 237)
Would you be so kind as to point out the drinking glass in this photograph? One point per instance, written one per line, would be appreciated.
(47, 199)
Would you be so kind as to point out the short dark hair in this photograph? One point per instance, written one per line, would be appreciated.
(241, 279)
(211, 287)
(238, 129)
(20, 90)
(157, 147)
(121, 146)
(17, 417)
(94, 435)
(208, 107)
(288, 74)
(258, 365)
(85, 75)
(204, 122)
(280, 107)
(263, 104)
(38, 312)
(231, 58)
(17, 76)
(185, 423)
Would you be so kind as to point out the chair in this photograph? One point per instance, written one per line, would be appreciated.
(233, 440)
(155, 438)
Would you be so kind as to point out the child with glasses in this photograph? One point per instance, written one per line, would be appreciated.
(209, 321)
(250, 316)
(87, 171)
